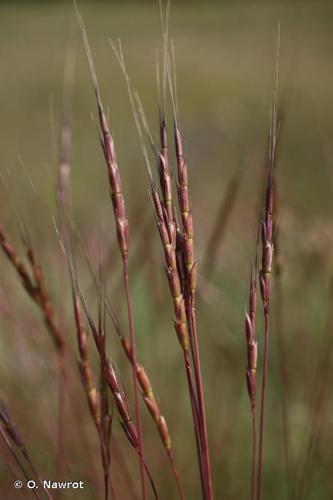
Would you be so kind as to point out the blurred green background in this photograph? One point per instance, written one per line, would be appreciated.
(225, 56)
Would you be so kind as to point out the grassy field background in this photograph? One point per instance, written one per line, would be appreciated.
(225, 61)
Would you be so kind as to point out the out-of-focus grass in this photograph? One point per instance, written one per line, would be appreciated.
(225, 59)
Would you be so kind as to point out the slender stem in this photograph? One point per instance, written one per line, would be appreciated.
(284, 399)
(151, 480)
(254, 453)
(105, 462)
(15, 457)
(176, 475)
(108, 482)
(106, 486)
(281, 348)
(135, 380)
(262, 405)
(195, 416)
(32, 467)
(198, 423)
(201, 403)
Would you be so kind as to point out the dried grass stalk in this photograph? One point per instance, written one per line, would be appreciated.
(122, 228)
